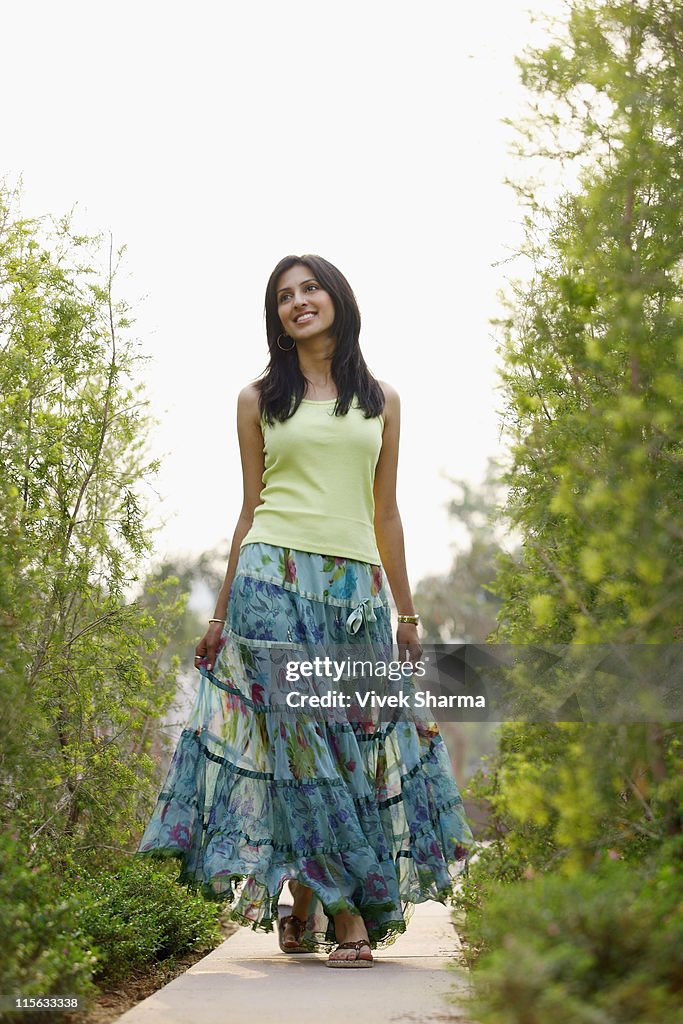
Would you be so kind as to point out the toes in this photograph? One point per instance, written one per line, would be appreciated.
(352, 954)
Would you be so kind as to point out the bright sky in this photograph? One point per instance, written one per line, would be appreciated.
(215, 138)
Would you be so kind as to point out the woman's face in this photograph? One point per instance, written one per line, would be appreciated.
(306, 310)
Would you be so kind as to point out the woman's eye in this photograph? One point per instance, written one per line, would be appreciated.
(313, 286)
(285, 295)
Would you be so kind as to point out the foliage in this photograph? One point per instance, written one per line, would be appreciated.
(61, 936)
(573, 906)
(602, 947)
(574, 881)
(45, 950)
(84, 678)
(562, 794)
(191, 573)
(458, 606)
(136, 913)
(592, 346)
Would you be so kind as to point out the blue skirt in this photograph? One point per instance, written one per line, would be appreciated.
(367, 813)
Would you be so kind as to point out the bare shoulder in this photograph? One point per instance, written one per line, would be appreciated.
(249, 394)
(392, 400)
(247, 401)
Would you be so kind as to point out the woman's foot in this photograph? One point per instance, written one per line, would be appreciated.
(351, 933)
(292, 927)
(290, 931)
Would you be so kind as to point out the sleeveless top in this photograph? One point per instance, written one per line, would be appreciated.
(318, 482)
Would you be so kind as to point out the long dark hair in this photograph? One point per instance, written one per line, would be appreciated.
(282, 384)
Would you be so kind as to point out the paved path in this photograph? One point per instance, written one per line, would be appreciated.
(248, 979)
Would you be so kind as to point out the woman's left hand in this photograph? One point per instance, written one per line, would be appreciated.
(409, 647)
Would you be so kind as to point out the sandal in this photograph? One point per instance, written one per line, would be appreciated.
(292, 945)
(358, 961)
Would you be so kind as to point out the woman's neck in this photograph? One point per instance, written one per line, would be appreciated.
(315, 364)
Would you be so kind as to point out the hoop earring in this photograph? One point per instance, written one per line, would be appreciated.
(293, 345)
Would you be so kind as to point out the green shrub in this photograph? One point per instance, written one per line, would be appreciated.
(61, 935)
(560, 794)
(45, 950)
(137, 914)
(601, 947)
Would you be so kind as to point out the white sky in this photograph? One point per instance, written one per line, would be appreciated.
(213, 139)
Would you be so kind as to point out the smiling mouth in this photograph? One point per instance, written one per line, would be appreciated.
(304, 318)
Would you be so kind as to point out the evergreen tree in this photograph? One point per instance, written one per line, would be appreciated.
(586, 816)
(593, 344)
(458, 606)
(82, 674)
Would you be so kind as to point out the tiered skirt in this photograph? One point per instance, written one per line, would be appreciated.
(364, 811)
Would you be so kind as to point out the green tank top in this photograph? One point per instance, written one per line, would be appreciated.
(318, 482)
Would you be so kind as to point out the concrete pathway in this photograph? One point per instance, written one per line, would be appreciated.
(248, 979)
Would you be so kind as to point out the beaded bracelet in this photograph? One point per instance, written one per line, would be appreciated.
(413, 619)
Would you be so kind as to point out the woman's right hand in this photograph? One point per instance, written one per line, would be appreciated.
(207, 647)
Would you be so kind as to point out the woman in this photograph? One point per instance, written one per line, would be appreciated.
(363, 817)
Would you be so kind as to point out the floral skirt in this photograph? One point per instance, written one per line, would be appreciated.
(367, 813)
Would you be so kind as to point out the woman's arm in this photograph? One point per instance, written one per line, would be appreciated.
(388, 526)
(250, 440)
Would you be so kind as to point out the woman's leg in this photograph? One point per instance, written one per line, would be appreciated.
(350, 927)
(301, 899)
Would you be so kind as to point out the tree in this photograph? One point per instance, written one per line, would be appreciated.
(592, 350)
(592, 356)
(458, 606)
(200, 578)
(82, 673)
